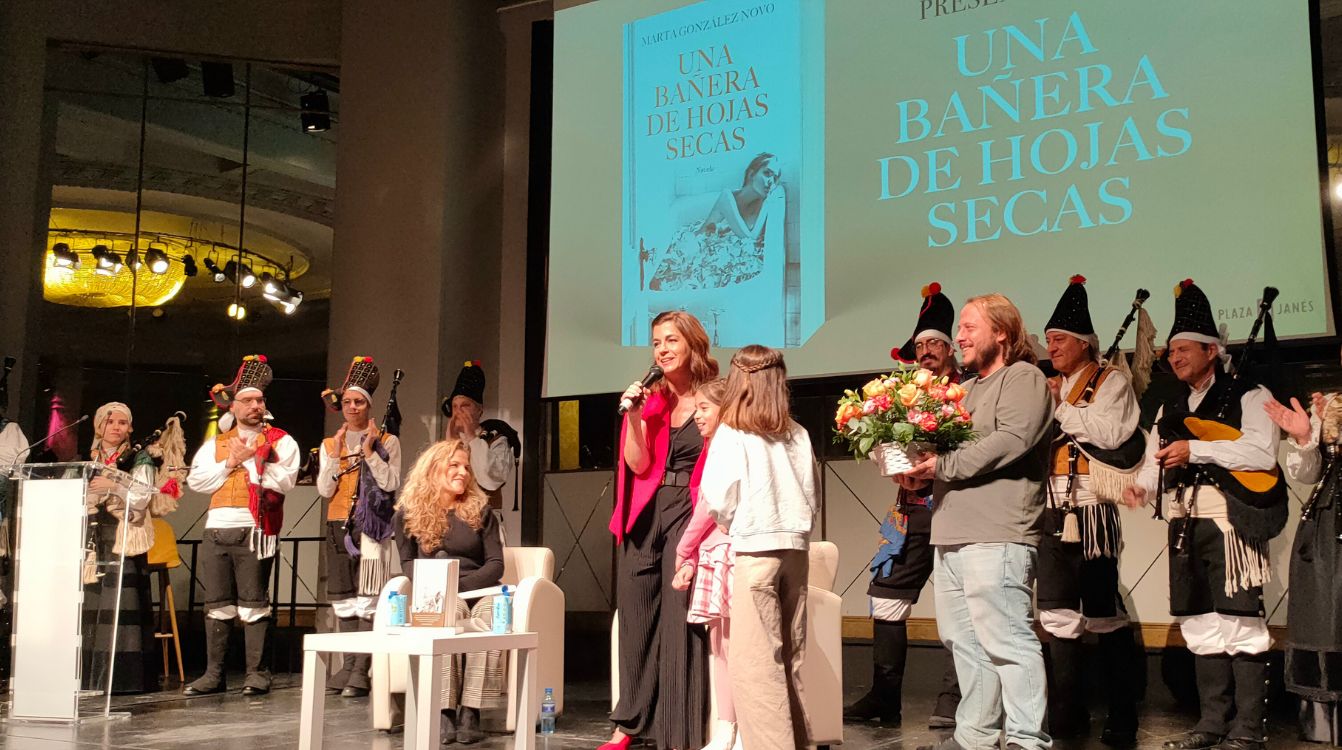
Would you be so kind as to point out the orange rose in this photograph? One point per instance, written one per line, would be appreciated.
(874, 388)
(845, 414)
(908, 394)
(923, 378)
(955, 392)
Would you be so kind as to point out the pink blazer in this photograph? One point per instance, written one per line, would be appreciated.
(634, 491)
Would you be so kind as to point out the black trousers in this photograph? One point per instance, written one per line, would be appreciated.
(342, 571)
(1067, 580)
(1198, 575)
(663, 659)
(230, 572)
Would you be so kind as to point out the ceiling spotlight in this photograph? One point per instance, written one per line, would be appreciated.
(248, 278)
(158, 260)
(237, 311)
(133, 259)
(109, 263)
(216, 273)
(270, 286)
(63, 256)
(290, 305)
(316, 115)
(189, 266)
(286, 298)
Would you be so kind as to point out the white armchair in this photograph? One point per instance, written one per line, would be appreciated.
(538, 605)
(822, 671)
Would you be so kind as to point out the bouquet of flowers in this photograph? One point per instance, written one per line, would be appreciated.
(898, 418)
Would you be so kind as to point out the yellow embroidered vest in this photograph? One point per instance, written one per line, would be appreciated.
(234, 492)
(347, 487)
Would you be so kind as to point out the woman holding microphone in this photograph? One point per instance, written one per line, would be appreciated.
(663, 682)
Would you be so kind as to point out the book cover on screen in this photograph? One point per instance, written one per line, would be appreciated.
(723, 204)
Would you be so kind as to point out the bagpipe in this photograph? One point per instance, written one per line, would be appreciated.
(1109, 355)
(391, 425)
(1257, 490)
(1110, 470)
(1331, 455)
(126, 460)
(1127, 456)
(391, 420)
(1308, 510)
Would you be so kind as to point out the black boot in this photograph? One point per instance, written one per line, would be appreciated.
(1249, 729)
(1215, 704)
(258, 676)
(468, 725)
(943, 715)
(357, 685)
(447, 726)
(1068, 717)
(889, 652)
(1119, 666)
(216, 648)
(337, 682)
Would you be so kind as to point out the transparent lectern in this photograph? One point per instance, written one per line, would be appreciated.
(67, 588)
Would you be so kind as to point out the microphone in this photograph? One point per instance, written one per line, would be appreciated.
(72, 425)
(654, 374)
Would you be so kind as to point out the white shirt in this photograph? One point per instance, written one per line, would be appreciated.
(12, 445)
(387, 474)
(766, 491)
(1110, 417)
(491, 463)
(208, 475)
(1304, 463)
(1105, 422)
(1256, 449)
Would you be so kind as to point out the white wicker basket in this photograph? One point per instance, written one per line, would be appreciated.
(894, 459)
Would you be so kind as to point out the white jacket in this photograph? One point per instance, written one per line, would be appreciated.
(766, 491)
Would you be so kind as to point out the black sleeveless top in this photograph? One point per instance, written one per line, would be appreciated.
(686, 445)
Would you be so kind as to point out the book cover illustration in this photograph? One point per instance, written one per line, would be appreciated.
(433, 593)
(723, 171)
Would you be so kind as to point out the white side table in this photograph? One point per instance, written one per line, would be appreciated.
(425, 647)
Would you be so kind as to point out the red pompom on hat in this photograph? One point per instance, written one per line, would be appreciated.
(1078, 279)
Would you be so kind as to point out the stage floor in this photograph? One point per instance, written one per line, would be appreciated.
(230, 722)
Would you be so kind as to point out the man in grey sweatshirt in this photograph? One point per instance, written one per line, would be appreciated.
(986, 528)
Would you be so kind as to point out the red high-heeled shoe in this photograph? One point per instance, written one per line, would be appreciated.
(621, 744)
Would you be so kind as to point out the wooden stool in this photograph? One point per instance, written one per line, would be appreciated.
(163, 557)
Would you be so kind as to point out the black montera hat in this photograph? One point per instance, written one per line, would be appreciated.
(470, 383)
(1193, 318)
(1072, 315)
(936, 316)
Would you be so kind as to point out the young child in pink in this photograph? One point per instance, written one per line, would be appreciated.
(704, 558)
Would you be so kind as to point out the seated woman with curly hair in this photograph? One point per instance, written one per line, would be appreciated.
(443, 514)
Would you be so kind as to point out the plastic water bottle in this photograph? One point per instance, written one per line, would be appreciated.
(397, 614)
(503, 612)
(548, 712)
